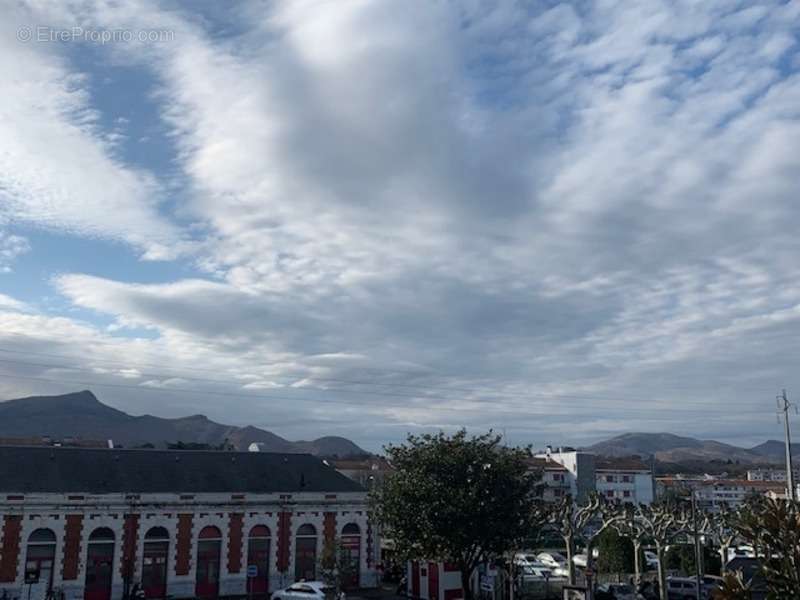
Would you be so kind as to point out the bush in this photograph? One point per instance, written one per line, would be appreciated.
(615, 553)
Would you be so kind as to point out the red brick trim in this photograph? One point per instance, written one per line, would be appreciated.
(9, 553)
(183, 546)
(235, 542)
(130, 539)
(329, 527)
(453, 594)
(73, 530)
(284, 538)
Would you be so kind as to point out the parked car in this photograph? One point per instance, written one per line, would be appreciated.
(307, 590)
(531, 569)
(681, 588)
(552, 559)
(651, 559)
(534, 572)
(580, 560)
(741, 552)
(616, 591)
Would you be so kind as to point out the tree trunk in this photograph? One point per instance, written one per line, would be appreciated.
(662, 572)
(570, 566)
(637, 564)
(466, 582)
(723, 554)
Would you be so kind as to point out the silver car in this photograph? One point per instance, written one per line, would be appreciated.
(307, 590)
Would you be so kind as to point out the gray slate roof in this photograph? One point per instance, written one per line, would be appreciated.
(28, 469)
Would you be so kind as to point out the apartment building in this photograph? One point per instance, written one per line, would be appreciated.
(569, 471)
(624, 480)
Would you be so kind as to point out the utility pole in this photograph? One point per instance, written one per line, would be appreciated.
(783, 404)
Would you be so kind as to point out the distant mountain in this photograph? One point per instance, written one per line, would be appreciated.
(775, 450)
(82, 415)
(332, 446)
(670, 448)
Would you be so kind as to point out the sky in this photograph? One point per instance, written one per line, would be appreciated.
(559, 220)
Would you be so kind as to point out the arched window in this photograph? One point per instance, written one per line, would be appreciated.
(351, 529)
(102, 534)
(305, 553)
(99, 564)
(157, 534)
(154, 563)
(208, 561)
(40, 557)
(351, 548)
(258, 555)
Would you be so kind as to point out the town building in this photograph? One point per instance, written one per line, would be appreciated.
(91, 523)
(578, 474)
(771, 474)
(556, 481)
(368, 472)
(713, 494)
(626, 480)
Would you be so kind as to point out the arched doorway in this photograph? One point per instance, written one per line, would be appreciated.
(154, 563)
(208, 559)
(351, 548)
(258, 545)
(305, 553)
(99, 565)
(40, 557)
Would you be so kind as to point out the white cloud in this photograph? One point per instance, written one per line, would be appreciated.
(594, 201)
(58, 170)
(11, 246)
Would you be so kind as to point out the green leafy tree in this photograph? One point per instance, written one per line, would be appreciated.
(457, 498)
(615, 552)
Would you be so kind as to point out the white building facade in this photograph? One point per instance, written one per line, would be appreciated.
(194, 542)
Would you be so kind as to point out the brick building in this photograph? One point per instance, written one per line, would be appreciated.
(92, 522)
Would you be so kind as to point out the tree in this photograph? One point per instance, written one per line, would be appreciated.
(571, 521)
(457, 498)
(661, 522)
(632, 528)
(773, 526)
(721, 528)
(336, 566)
(615, 552)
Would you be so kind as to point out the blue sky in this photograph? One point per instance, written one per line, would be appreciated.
(566, 220)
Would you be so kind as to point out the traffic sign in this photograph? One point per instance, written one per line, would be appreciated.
(252, 571)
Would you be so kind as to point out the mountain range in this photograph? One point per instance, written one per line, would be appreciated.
(82, 415)
(670, 448)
